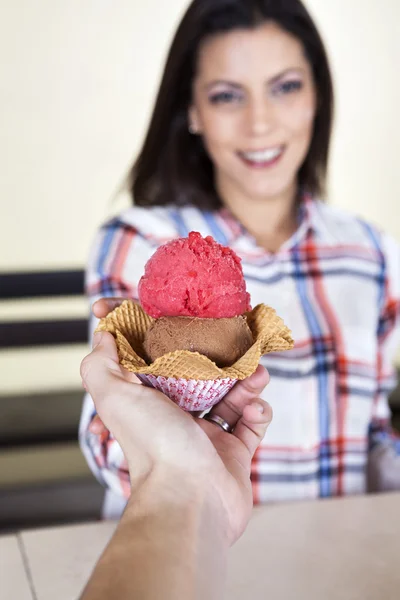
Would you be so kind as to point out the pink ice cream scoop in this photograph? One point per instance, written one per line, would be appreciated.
(194, 277)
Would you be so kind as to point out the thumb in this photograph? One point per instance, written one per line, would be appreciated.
(100, 364)
(104, 342)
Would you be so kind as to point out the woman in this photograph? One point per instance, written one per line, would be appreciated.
(238, 147)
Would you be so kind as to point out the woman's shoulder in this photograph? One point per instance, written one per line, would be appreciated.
(344, 228)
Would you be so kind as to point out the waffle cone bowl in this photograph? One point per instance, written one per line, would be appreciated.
(190, 379)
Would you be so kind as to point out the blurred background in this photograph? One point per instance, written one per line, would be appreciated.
(77, 84)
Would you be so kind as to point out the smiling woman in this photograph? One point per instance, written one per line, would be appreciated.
(237, 148)
(244, 77)
(256, 117)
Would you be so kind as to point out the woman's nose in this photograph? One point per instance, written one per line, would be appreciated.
(260, 117)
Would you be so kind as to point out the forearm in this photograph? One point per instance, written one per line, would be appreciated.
(164, 547)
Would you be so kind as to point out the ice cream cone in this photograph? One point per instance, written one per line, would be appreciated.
(191, 379)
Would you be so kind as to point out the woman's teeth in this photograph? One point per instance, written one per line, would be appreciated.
(262, 156)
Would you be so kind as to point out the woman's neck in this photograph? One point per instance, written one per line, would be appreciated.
(270, 221)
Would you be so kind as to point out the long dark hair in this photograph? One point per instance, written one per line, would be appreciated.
(173, 166)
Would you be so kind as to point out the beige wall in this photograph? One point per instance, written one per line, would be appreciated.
(77, 86)
(363, 40)
(78, 79)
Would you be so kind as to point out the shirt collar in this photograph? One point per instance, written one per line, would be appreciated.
(320, 225)
(309, 220)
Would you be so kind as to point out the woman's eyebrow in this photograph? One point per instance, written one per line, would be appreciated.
(235, 85)
(222, 82)
(283, 73)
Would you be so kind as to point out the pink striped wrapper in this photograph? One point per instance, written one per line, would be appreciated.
(190, 394)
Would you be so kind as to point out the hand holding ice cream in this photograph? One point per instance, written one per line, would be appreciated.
(154, 434)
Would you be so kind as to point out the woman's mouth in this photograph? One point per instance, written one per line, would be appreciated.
(262, 159)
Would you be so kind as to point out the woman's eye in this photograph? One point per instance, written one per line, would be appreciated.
(224, 98)
(288, 87)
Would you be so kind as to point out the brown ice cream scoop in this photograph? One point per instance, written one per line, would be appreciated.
(223, 341)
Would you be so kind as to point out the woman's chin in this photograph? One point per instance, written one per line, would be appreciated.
(267, 192)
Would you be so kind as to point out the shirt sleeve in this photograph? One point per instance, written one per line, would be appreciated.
(116, 263)
(384, 442)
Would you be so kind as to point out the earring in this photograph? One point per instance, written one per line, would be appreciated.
(192, 129)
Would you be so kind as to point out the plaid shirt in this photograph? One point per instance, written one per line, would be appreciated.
(336, 283)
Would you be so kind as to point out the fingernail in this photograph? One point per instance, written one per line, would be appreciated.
(258, 407)
(97, 339)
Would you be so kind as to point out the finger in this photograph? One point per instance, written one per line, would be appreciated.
(104, 343)
(102, 307)
(252, 426)
(97, 426)
(96, 366)
(231, 407)
(102, 363)
(110, 349)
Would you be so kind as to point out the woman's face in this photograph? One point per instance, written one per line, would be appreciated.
(254, 105)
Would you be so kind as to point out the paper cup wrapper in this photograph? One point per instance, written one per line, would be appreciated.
(190, 394)
(128, 323)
